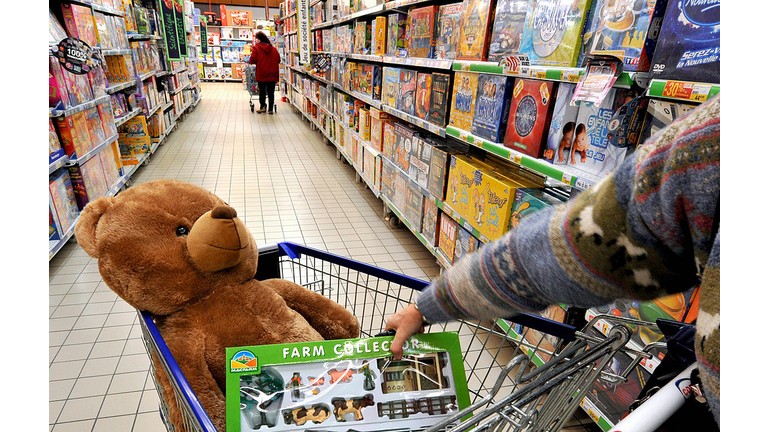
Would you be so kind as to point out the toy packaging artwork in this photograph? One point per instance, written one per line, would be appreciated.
(448, 27)
(531, 200)
(406, 98)
(508, 28)
(391, 91)
(429, 224)
(423, 94)
(463, 106)
(423, 32)
(562, 126)
(690, 47)
(529, 115)
(466, 243)
(447, 236)
(628, 29)
(345, 384)
(395, 33)
(438, 101)
(475, 29)
(552, 32)
(492, 106)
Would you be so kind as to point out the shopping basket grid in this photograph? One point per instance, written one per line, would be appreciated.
(518, 379)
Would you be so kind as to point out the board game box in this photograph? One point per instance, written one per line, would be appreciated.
(529, 115)
(378, 118)
(475, 31)
(336, 385)
(508, 26)
(659, 114)
(379, 36)
(689, 46)
(423, 31)
(404, 141)
(396, 33)
(562, 126)
(553, 32)
(389, 140)
(63, 196)
(406, 98)
(447, 236)
(414, 206)
(418, 168)
(492, 106)
(448, 28)
(423, 95)
(390, 92)
(438, 100)
(79, 23)
(429, 223)
(463, 106)
(530, 200)
(466, 243)
(628, 29)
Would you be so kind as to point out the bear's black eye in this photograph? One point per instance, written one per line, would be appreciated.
(182, 231)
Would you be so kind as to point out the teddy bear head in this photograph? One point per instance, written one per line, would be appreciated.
(164, 244)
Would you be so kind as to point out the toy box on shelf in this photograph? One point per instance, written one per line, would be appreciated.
(529, 114)
(345, 383)
(552, 32)
(508, 26)
(475, 29)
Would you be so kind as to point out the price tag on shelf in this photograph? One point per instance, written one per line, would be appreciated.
(538, 73)
(463, 136)
(566, 178)
(700, 92)
(679, 90)
(517, 159)
(570, 76)
(582, 184)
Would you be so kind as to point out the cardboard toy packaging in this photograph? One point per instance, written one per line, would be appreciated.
(134, 140)
(628, 30)
(389, 140)
(414, 206)
(530, 200)
(448, 28)
(71, 141)
(378, 118)
(429, 223)
(379, 35)
(79, 23)
(391, 86)
(423, 31)
(447, 236)
(423, 94)
(396, 33)
(405, 138)
(88, 181)
(466, 243)
(438, 100)
(401, 191)
(508, 26)
(552, 34)
(688, 48)
(463, 100)
(406, 100)
(475, 31)
(388, 175)
(562, 126)
(492, 106)
(529, 115)
(420, 156)
(62, 196)
(343, 384)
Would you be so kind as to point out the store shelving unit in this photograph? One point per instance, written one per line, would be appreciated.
(128, 171)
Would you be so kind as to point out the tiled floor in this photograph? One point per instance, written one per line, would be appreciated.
(285, 183)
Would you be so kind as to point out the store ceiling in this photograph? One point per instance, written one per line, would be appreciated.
(252, 3)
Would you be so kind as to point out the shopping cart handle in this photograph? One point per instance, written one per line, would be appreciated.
(566, 332)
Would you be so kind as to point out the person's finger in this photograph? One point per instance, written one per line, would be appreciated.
(397, 342)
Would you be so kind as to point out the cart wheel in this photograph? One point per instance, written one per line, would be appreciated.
(394, 221)
(251, 107)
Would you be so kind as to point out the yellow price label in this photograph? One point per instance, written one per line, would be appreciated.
(541, 74)
(466, 67)
(517, 159)
(699, 97)
(463, 136)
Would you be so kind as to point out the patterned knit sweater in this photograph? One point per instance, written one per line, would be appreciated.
(647, 230)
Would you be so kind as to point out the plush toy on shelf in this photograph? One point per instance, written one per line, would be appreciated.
(181, 253)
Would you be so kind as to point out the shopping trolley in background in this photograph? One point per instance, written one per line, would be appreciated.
(508, 390)
(250, 83)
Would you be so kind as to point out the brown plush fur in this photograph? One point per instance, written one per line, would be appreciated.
(199, 285)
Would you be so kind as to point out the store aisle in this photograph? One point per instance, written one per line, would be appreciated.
(285, 183)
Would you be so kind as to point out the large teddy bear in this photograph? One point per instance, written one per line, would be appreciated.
(181, 253)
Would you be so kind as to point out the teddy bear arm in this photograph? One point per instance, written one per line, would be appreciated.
(329, 318)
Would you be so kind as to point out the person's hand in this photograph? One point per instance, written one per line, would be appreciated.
(406, 322)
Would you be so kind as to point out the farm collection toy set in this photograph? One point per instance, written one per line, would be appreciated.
(342, 385)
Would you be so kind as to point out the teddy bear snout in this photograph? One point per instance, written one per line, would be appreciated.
(218, 240)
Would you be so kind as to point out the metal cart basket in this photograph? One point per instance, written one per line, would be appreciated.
(520, 380)
(250, 84)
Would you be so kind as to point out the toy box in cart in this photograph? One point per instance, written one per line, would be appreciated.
(341, 385)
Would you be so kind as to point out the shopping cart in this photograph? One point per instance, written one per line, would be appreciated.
(250, 84)
(518, 380)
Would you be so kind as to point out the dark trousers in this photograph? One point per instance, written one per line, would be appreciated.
(267, 89)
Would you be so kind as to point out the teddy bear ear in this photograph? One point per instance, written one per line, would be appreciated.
(85, 230)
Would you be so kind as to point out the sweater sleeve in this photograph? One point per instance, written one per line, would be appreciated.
(644, 231)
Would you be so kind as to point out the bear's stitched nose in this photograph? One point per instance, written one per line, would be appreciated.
(224, 212)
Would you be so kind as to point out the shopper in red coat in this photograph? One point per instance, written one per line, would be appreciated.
(267, 61)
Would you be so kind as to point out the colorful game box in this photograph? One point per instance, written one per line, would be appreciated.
(55, 151)
(396, 33)
(401, 191)
(429, 223)
(378, 118)
(418, 167)
(475, 31)
(63, 197)
(74, 146)
(404, 141)
(134, 140)
(414, 206)
(423, 34)
(628, 30)
(390, 92)
(88, 181)
(529, 115)
(423, 95)
(438, 100)
(590, 147)
(447, 236)
(508, 28)
(448, 28)
(492, 106)
(463, 106)
(336, 385)
(553, 32)
(406, 98)
(624, 132)
(466, 243)
(79, 23)
(438, 169)
(531, 200)
(562, 126)
(688, 48)
(659, 114)
(379, 36)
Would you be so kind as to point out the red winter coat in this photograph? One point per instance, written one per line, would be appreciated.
(267, 61)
